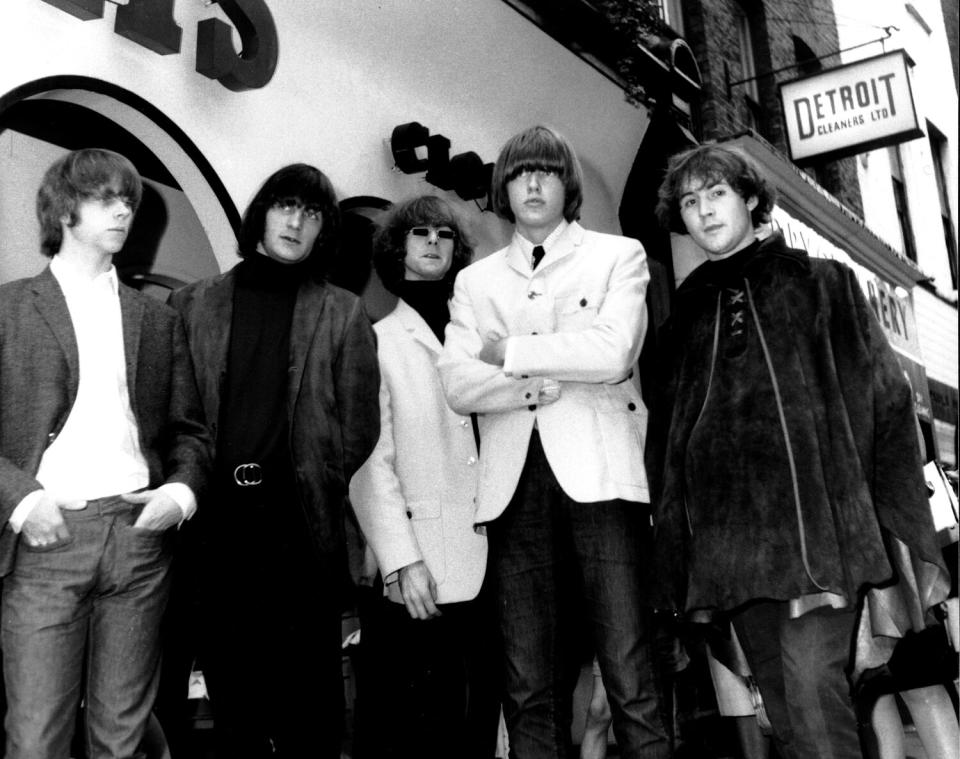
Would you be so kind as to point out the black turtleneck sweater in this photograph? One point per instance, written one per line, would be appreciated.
(429, 299)
(728, 272)
(253, 408)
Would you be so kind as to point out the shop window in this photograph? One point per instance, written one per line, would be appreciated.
(907, 239)
(748, 66)
(938, 149)
(672, 15)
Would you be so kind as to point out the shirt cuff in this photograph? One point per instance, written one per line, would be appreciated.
(184, 497)
(508, 357)
(23, 509)
(549, 391)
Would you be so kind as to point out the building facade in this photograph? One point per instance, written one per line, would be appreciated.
(910, 190)
(211, 98)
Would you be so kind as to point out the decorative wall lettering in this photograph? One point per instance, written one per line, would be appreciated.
(415, 149)
(150, 23)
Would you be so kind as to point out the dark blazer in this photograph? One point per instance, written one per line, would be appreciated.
(332, 396)
(39, 377)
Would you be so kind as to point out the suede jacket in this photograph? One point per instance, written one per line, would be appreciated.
(790, 460)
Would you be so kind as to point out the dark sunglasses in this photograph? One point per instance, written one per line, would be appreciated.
(443, 234)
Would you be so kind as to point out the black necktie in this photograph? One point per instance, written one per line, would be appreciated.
(538, 253)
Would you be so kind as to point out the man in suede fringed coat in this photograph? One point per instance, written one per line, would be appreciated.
(791, 474)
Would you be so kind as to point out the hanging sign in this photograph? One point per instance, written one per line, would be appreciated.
(850, 109)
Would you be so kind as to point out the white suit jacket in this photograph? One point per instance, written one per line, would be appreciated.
(579, 319)
(414, 496)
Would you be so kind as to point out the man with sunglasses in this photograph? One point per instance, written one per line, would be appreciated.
(542, 344)
(287, 369)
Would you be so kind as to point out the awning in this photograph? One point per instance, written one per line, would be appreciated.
(802, 197)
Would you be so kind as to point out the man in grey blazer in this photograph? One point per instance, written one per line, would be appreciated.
(542, 343)
(102, 450)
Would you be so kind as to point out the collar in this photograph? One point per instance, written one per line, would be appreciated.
(772, 247)
(72, 282)
(526, 247)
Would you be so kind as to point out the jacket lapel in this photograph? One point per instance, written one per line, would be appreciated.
(516, 260)
(416, 327)
(562, 247)
(210, 341)
(53, 309)
(307, 318)
(131, 316)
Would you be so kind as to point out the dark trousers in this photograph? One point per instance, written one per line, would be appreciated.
(559, 564)
(800, 667)
(428, 688)
(84, 610)
(271, 650)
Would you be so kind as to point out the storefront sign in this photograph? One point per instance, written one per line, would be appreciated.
(850, 109)
(150, 23)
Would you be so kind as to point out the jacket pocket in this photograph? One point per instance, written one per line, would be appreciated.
(622, 431)
(427, 521)
(577, 310)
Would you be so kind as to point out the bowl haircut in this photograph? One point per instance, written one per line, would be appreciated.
(538, 148)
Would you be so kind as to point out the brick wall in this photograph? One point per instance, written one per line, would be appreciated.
(712, 33)
(951, 20)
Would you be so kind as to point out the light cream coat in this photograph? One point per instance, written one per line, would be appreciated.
(414, 496)
(579, 319)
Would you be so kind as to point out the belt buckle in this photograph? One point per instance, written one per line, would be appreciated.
(248, 475)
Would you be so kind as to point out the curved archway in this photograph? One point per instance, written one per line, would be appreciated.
(166, 154)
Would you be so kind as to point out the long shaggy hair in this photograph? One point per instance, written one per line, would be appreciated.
(709, 165)
(310, 186)
(390, 241)
(91, 173)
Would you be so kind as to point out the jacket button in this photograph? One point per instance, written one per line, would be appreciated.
(464, 422)
(471, 460)
(583, 302)
(528, 396)
(532, 407)
(632, 406)
(409, 514)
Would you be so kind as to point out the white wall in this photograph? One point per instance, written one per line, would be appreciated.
(935, 98)
(183, 251)
(348, 72)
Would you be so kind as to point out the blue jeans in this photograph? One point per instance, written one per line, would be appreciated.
(800, 667)
(561, 566)
(92, 600)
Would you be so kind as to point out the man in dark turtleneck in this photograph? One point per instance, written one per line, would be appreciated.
(287, 369)
(790, 458)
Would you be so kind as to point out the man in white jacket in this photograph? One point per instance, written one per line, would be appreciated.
(542, 343)
(430, 643)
